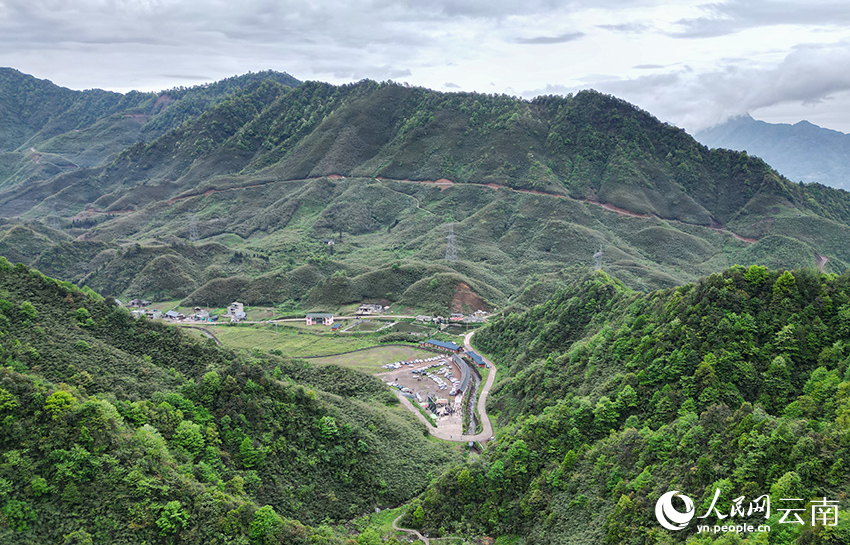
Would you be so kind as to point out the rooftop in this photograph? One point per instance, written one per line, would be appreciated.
(441, 344)
(476, 358)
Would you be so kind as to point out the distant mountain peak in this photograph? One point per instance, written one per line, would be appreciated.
(802, 152)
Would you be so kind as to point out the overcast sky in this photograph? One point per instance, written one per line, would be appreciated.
(690, 63)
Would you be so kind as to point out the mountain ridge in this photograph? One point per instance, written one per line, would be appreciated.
(268, 169)
(803, 151)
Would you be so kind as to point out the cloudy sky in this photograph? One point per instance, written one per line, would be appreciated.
(690, 63)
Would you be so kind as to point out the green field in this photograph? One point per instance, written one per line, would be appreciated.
(407, 327)
(370, 361)
(291, 340)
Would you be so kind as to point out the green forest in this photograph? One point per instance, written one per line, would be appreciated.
(654, 374)
(123, 431)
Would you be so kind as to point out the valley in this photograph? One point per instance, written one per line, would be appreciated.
(360, 260)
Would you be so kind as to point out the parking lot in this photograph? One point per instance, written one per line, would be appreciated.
(435, 376)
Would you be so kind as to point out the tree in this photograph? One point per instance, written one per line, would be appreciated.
(172, 519)
(265, 527)
(59, 403)
(78, 537)
(464, 479)
(605, 414)
(28, 311)
(370, 536)
(188, 435)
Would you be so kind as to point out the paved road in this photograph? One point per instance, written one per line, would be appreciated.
(409, 531)
(487, 427)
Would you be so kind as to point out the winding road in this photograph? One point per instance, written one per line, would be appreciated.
(486, 425)
(419, 536)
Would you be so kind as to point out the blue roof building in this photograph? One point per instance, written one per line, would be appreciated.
(441, 345)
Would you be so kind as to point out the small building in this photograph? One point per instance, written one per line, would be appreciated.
(434, 344)
(323, 318)
(137, 313)
(456, 317)
(153, 314)
(139, 303)
(172, 315)
(213, 318)
(476, 359)
(367, 309)
(423, 318)
(336, 326)
(238, 317)
(234, 308)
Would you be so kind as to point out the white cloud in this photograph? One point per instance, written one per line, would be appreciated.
(810, 75)
(736, 60)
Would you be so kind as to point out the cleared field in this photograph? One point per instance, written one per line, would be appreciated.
(406, 327)
(292, 341)
(368, 325)
(370, 361)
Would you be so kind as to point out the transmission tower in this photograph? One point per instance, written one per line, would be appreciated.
(597, 260)
(52, 218)
(451, 247)
(193, 228)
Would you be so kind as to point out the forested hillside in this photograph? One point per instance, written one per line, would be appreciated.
(739, 382)
(248, 171)
(127, 431)
(233, 190)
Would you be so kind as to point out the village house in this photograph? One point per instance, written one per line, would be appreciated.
(477, 359)
(367, 309)
(434, 344)
(234, 308)
(323, 318)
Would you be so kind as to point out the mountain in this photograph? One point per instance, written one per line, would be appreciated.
(239, 197)
(801, 152)
(611, 398)
(46, 130)
(127, 431)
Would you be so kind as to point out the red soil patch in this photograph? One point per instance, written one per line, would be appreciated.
(466, 300)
